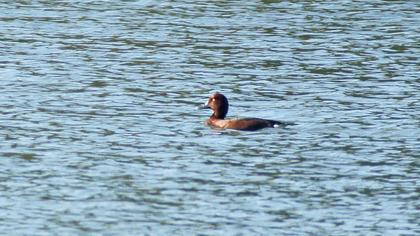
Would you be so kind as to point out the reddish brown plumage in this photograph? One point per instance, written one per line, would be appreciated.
(220, 106)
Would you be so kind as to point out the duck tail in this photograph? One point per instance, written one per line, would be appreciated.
(275, 123)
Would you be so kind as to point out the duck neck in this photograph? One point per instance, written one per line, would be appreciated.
(218, 115)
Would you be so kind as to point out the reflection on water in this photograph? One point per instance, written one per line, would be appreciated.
(99, 131)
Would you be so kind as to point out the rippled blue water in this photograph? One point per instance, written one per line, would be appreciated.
(99, 131)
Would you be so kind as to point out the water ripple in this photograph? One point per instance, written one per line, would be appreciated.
(99, 126)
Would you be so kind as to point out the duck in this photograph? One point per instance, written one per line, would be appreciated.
(220, 106)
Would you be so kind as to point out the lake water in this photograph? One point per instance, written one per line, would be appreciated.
(100, 135)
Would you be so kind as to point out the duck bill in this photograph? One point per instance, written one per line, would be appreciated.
(204, 106)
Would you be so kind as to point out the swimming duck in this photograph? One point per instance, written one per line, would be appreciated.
(220, 105)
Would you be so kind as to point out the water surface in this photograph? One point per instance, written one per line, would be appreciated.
(100, 135)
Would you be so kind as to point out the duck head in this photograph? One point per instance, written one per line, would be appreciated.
(219, 104)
